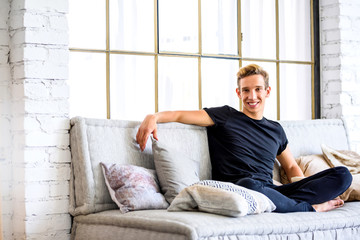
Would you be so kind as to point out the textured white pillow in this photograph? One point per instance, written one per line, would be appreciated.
(133, 187)
(221, 198)
(175, 170)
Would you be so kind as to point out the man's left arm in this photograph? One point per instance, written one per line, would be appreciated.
(289, 164)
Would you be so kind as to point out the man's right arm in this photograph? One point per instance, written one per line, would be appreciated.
(148, 126)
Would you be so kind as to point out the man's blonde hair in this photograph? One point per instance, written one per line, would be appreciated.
(250, 70)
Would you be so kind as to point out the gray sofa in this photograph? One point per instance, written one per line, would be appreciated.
(97, 217)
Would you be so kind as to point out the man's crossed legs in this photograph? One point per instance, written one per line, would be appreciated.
(314, 193)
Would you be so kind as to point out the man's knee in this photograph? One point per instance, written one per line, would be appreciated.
(249, 183)
(344, 176)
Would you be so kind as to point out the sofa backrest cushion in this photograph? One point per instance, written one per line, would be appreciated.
(305, 137)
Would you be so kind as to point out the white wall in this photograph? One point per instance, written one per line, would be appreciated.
(5, 122)
(34, 154)
(340, 63)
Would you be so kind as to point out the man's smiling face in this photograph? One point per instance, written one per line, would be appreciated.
(252, 93)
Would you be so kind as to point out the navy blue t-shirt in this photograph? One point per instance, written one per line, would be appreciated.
(241, 146)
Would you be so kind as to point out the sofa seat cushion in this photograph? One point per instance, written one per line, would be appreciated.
(199, 225)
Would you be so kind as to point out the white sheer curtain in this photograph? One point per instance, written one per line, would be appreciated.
(87, 24)
(295, 45)
(1, 229)
(87, 84)
(219, 82)
(132, 25)
(258, 26)
(178, 28)
(132, 92)
(178, 83)
(294, 30)
(219, 27)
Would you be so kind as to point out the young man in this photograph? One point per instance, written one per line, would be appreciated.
(243, 147)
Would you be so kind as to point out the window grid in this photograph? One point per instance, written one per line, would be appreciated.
(200, 55)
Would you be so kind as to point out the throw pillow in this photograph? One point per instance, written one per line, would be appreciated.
(133, 187)
(346, 158)
(309, 165)
(221, 198)
(174, 169)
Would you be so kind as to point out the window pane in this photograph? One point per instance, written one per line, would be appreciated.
(270, 111)
(178, 26)
(87, 81)
(132, 25)
(295, 96)
(294, 29)
(87, 24)
(132, 86)
(178, 84)
(219, 82)
(219, 26)
(258, 28)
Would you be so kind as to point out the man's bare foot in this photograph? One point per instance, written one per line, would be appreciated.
(329, 205)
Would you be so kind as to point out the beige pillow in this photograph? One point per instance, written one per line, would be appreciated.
(313, 164)
(221, 198)
(309, 165)
(346, 158)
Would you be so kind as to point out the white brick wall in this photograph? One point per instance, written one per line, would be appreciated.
(340, 60)
(5, 124)
(34, 154)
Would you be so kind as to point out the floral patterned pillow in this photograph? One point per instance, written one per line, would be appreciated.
(133, 187)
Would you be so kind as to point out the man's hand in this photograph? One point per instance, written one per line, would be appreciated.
(147, 127)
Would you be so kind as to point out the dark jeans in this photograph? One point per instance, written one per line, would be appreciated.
(299, 196)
